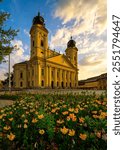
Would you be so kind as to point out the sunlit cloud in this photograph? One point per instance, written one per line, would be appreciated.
(86, 22)
(15, 57)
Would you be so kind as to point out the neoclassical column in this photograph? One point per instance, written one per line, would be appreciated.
(64, 78)
(46, 76)
(71, 75)
(68, 79)
(60, 78)
(49, 76)
(55, 78)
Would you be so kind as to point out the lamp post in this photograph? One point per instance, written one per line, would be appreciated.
(9, 74)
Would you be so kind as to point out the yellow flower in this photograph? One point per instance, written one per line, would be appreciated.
(76, 110)
(25, 126)
(68, 118)
(64, 130)
(60, 121)
(83, 136)
(1, 116)
(11, 137)
(34, 120)
(27, 112)
(71, 109)
(40, 116)
(81, 120)
(65, 112)
(94, 112)
(6, 128)
(41, 132)
(25, 121)
(71, 132)
(95, 116)
(10, 119)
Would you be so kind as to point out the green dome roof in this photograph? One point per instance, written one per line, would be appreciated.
(71, 43)
(38, 20)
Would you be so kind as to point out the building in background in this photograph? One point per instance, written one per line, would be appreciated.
(46, 68)
(98, 82)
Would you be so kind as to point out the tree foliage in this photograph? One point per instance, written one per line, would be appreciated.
(6, 36)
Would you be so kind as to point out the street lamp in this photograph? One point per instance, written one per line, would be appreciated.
(9, 73)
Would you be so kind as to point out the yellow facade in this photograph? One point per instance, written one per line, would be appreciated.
(98, 82)
(46, 68)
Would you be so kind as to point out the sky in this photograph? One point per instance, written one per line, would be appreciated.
(84, 20)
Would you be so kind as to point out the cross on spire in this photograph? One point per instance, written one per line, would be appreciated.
(38, 13)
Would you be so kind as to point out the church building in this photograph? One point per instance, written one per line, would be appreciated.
(47, 68)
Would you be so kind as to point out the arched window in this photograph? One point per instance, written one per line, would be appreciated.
(41, 43)
(42, 83)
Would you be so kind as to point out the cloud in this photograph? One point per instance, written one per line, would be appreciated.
(85, 20)
(18, 55)
(26, 32)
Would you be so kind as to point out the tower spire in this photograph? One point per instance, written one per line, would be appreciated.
(38, 13)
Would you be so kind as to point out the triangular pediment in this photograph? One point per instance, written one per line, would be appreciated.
(61, 60)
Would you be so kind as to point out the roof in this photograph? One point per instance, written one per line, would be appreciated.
(93, 79)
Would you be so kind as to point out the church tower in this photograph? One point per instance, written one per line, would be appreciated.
(39, 38)
(71, 52)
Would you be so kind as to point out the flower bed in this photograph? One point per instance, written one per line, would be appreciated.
(55, 122)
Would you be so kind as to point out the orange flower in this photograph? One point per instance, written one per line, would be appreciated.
(64, 130)
(83, 136)
(81, 120)
(34, 120)
(41, 132)
(60, 121)
(40, 116)
(36, 113)
(6, 128)
(65, 112)
(10, 112)
(11, 137)
(53, 110)
(27, 112)
(71, 132)
(73, 117)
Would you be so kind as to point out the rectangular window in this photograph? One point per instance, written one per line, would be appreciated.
(42, 72)
(21, 75)
(32, 83)
(21, 84)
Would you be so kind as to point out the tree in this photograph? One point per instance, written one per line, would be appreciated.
(6, 81)
(6, 36)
